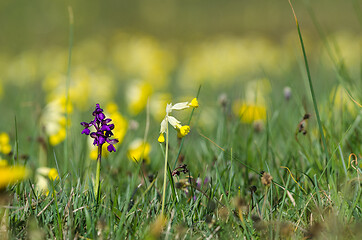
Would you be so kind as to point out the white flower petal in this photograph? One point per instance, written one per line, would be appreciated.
(168, 108)
(180, 106)
(163, 125)
(173, 121)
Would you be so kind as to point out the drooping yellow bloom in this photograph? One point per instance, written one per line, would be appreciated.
(139, 150)
(161, 138)
(11, 175)
(183, 131)
(5, 147)
(194, 103)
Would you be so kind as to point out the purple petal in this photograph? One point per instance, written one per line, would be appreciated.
(84, 124)
(112, 141)
(94, 135)
(101, 116)
(111, 148)
(86, 131)
(105, 128)
(107, 120)
(101, 140)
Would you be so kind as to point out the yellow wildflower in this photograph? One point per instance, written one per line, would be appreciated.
(58, 137)
(54, 119)
(249, 113)
(43, 175)
(194, 103)
(139, 150)
(53, 174)
(183, 131)
(137, 96)
(5, 147)
(161, 138)
(12, 174)
(3, 163)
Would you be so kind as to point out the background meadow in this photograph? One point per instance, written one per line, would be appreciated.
(256, 165)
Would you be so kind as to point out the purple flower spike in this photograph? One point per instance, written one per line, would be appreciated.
(103, 129)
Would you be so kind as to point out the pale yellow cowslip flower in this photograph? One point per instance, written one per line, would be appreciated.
(182, 130)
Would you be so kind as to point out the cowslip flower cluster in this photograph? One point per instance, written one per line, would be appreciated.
(181, 130)
(103, 129)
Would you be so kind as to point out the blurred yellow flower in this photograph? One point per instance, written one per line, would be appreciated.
(139, 150)
(3, 163)
(158, 104)
(53, 174)
(341, 101)
(249, 113)
(54, 119)
(5, 147)
(93, 154)
(121, 126)
(12, 174)
(137, 96)
(42, 178)
(143, 57)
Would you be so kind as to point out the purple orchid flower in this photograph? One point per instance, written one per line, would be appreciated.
(103, 129)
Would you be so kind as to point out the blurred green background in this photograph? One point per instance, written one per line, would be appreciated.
(127, 52)
(38, 23)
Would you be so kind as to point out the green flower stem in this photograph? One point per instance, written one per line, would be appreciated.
(164, 175)
(313, 94)
(98, 180)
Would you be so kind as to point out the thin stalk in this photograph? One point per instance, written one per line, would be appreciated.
(164, 175)
(182, 140)
(98, 180)
(312, 92)
(67, 83)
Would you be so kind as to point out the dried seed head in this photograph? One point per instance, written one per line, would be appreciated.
(223, 100)
(252, 189)
(266, 179)
(241, 204)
